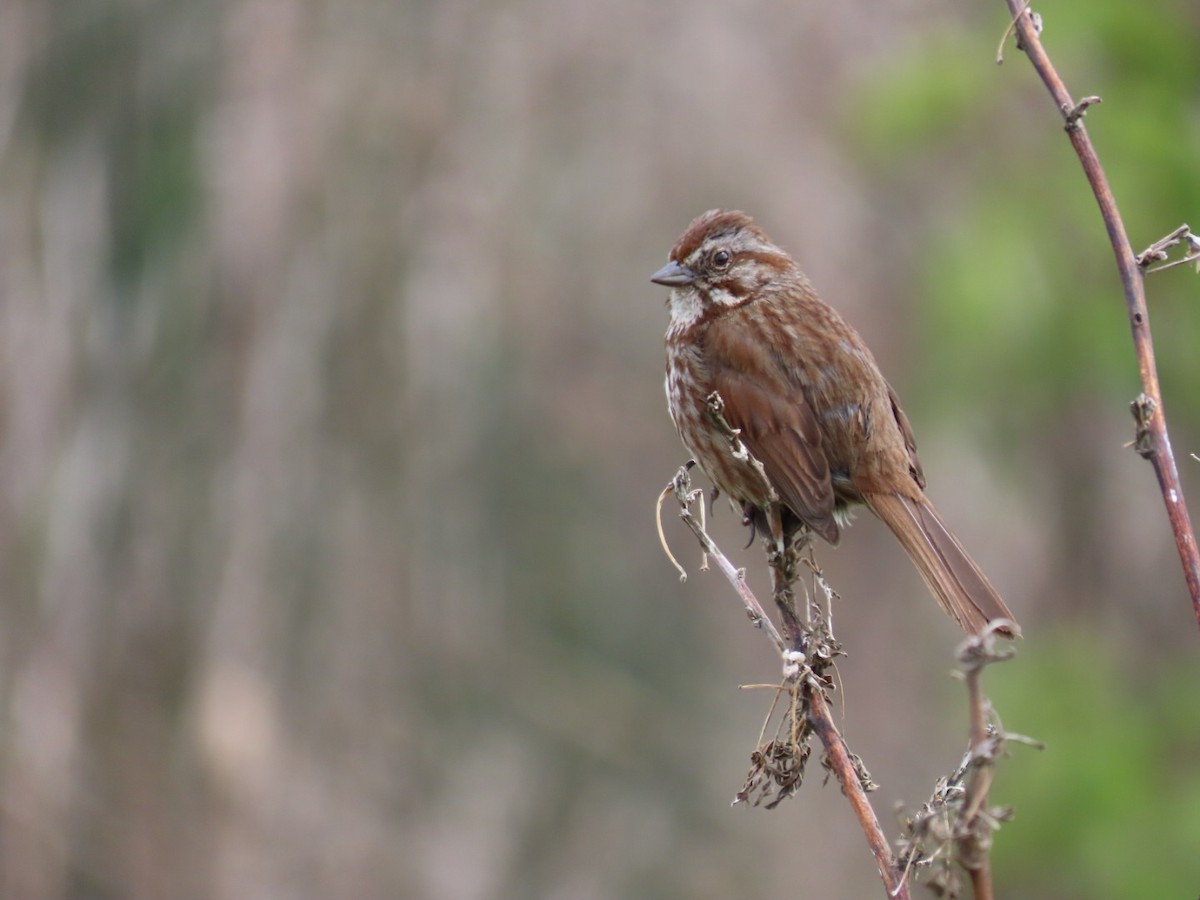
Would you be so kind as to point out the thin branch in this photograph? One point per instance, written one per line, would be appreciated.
(956, 825)
(974, 847)
(842, 763)
(1157, 444)
(1158, 252)
(805, 653)
(817, 647)
(681, 486)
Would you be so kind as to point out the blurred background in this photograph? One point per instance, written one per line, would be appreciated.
(331, 425)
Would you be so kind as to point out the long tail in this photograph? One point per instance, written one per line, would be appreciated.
(952, 576)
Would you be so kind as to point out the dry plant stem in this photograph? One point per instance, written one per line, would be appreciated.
(974, 847)
(783, 572)
(838, 755)
(1157, 447)
(819, 714)
(977, 788)
(956, 826)
(681, 486)
(847, 776)
(793, 649)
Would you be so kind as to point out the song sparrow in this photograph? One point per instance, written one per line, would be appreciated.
(809, 401)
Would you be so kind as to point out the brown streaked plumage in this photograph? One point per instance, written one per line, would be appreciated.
(809, 400)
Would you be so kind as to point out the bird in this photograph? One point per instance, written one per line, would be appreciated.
(808, 401)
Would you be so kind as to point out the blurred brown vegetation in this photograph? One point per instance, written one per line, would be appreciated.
(331, 424)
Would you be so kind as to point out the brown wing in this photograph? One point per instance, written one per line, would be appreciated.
(910, 442)
(782, 432)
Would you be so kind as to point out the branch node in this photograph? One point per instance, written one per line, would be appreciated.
(1074, 113)
(794, 663)
(1034, 19)
(1142, 408)
(1158, 251)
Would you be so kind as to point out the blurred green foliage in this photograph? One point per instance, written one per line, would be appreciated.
(1020, 298)
(1108, 810)
(1023, 304)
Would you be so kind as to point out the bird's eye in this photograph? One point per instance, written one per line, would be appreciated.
(721, 259)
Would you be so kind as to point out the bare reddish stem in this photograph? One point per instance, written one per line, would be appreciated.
(847, 776)
(977, 789)
(1154, 442)
(818, 708)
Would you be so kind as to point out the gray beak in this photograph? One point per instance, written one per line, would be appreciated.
(673, 275)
